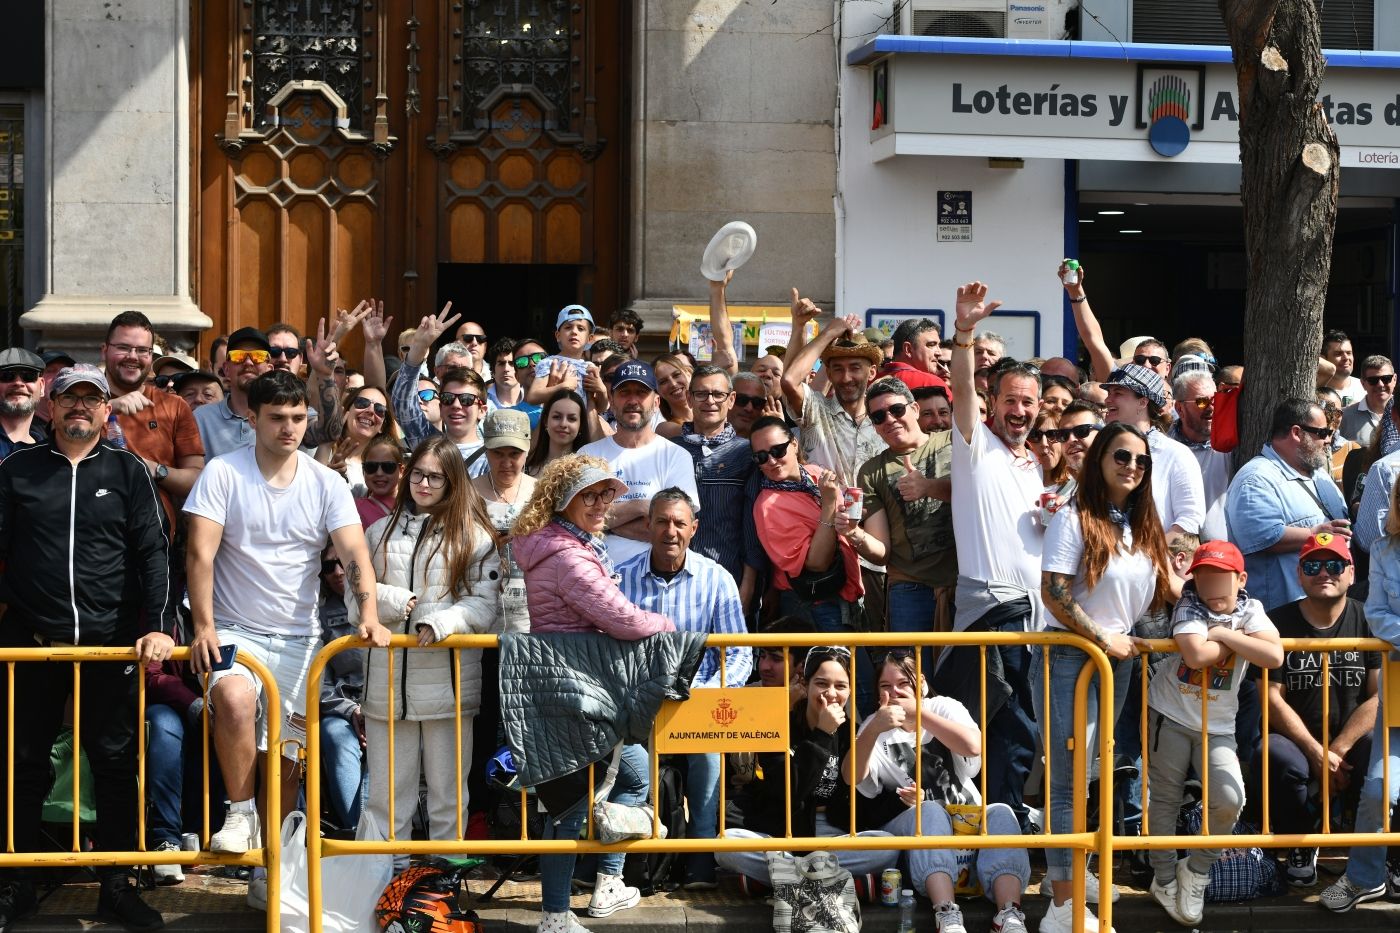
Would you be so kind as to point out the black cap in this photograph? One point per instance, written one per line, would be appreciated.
(54, 356)
(247, 335)
(199, 375)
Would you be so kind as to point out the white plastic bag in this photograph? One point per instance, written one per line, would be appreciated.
(350, 884)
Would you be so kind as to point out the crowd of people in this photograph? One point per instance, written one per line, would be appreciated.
(276, 498)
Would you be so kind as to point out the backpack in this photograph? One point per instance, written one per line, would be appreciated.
(650, 872)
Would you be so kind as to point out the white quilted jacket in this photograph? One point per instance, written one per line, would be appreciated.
(422, 677)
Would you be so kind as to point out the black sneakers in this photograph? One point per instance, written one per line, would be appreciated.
(120, 902)
(16, 902)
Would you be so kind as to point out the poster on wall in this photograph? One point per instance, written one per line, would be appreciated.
(955, 217)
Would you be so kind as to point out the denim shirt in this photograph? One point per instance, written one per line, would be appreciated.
(1266, 497)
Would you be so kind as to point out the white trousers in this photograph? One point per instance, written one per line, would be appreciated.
(428, 748)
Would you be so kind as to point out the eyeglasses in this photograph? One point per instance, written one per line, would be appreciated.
(525, 362)
(69, 400)
(749, 401)
(777, 452)
(257, 357)
(708, 395)
(434, 480)
(1123, 457)
(1202, 403)
(329, 567)
(126, 349)
(18, 375)
(288, 353)
(387, 467)
(1050, 435)
(1142, 359)
(427, 395)
(1335, 567)
(604, 496)
(1081, 431)
(465, 399)
(1379, 380)
(1322, 434)
(895, 410)
(361, 403)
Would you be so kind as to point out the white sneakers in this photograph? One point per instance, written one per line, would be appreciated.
(1190, 894)
(1166, 895)
(168, 874)
(948, 918)
(1061, 919)
(1091, 888)
(241, 833)
(611, 895)
(257, 893)
(565, 922)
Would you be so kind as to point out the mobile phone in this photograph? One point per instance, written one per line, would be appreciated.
(226, 655)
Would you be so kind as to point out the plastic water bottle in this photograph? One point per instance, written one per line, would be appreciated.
(115, 437)
(906, 911)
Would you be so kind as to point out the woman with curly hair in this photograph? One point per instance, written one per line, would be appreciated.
(569, 582)
(368, 414)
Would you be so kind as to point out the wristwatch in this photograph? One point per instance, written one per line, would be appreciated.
(162, 471)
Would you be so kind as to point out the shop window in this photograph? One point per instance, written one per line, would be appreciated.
(1346, 24)
(307, 40)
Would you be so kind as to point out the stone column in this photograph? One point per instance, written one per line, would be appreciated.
(116, 172)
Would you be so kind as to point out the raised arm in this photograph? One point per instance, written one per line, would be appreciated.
(375, 327)
(720, 328)
(972, 306)
(801, 356)
(1100, 357)
(330, 416)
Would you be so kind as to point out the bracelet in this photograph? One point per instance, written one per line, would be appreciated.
(827, 524)
(960, 330)
(959, 345)
(1080, 300)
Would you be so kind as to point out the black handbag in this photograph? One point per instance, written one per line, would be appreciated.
(815, 586)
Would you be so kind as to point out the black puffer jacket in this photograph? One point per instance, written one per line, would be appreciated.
(84, 547)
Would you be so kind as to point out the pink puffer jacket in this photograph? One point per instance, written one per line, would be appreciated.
(569, 591)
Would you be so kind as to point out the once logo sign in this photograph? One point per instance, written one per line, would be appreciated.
(1169, 115)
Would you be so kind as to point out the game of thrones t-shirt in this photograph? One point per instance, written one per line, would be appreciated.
(1301, 671)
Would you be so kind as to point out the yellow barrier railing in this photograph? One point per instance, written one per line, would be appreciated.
(1079, 841)
(269, 856)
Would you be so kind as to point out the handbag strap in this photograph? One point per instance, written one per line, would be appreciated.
(605, 789)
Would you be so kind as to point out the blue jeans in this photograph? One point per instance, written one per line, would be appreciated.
(556, 871)
(702, 803)
(173, 755)
(346, 779)
(1065, 665)
(1366, 864)
(911, 607)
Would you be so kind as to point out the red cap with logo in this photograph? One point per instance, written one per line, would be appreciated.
(1326, 543)
(1222, 555)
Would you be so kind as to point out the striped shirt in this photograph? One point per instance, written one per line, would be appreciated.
(701, 598)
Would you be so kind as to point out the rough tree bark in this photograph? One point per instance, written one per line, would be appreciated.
(1290, 174)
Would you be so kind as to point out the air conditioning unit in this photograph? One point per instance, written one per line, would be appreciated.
(979, 19)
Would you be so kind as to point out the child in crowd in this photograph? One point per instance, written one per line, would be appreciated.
(1219, 630)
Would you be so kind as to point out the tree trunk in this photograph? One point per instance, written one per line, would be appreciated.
(1290, 173)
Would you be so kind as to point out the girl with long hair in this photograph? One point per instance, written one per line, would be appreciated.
(563, 429)
(368, 414)
(673, 373)
(1104, 564)
(439, 574)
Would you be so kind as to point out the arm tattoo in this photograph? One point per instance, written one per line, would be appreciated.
(1071, 613)
(356, 577)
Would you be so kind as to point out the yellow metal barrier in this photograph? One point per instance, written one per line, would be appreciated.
(269, 856)
(1080, 841)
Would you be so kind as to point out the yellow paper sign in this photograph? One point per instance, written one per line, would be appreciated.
(731, 719)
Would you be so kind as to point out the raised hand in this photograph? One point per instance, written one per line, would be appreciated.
(320, 355)
(831, 718)
(803, 310)
(376, 325)
(972, 305)
(889, 716)
(429, 330)
(772, 405)
(346, 321)
(831, 489)
(911, 485)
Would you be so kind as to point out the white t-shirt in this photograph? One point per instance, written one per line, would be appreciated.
(995, 509)
(1175, 690)
(646, 470)
(267, 570)
(1122, 594)
(1177, 488)
(892, 758)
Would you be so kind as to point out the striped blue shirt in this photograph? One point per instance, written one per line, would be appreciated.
(701, 598)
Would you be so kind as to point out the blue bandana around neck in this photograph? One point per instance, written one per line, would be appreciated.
(804, 483)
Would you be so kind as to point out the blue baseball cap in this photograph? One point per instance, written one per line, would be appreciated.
(634, 371)
(573, 313)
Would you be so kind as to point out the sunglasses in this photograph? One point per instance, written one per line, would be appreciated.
(1081, 431)
(777, 452)
(749, 401)
(387, 467)
(160, 382)
(472, 338)
(329, 567)
(896, 410)
(1322, 434)
(1123, 457)
(525, 362)
(1379, 380)
(1202, 403)
(361, 403)
(283, 353)
(257, 357)
(1049, 435)
(18, 375)
(1142, 359)
(822, 653)
(465, 399)
(605, 496)
(1335, 567)
(427, 395)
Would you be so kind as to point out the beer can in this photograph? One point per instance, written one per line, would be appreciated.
(855, 509)
(889, 887)
(189, 842)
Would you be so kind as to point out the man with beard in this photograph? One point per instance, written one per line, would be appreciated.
(995, 523)
(645, 462)
(162, 431)
(1283, 496)
(86, 559)
(21, 385)
(1194, 392)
